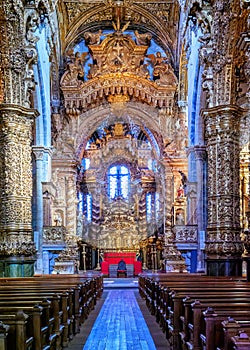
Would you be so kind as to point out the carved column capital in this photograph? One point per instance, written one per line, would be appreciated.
(39, 151)
(221, 120)
(200, 152)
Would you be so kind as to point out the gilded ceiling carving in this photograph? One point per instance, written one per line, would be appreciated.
(119, 68)
(151, 15)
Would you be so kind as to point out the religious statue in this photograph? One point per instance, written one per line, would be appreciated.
(58, 219)
(162, 71)
(179, 218)
(180, 192)
(75, 65)
(93, 38)
(142, 39)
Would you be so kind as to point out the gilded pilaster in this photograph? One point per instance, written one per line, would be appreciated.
(16, 237)
(223, 243)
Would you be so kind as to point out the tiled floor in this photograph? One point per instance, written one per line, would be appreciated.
(120, 325)
(120, 321)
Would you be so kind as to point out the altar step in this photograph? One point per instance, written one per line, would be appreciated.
(120, 283)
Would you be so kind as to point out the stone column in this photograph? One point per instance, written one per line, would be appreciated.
(200, 157)
(17, 248)
(223, 243)
(41, 157)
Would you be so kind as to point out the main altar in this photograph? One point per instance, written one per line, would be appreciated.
(111, 259)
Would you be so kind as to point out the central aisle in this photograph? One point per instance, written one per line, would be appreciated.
(120, 325)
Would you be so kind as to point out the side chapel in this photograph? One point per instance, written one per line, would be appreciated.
(124, 134)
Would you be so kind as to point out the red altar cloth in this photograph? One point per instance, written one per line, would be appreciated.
(115, 257)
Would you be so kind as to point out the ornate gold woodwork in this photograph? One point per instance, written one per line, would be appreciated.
(186, 234)
(118, 224)
(18, 49)
(64, 206)
(222, 137)
(16, 180)
(172, 257)
(54, 235)
(244, 188)
(118, 70)
(155, 16)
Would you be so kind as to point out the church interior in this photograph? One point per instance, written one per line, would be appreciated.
(128, 124)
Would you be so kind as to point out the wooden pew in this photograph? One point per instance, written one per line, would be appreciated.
(15, 328)
(205, 326)
(43, 321)
(241, 341)
(71, 299)
(61, 309)
(178, 325)
(84, 299)
(232, 328)
(163, 301)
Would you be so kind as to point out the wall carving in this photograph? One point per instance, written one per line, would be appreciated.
(18, 53)
(186, 234)
(54, 234)
(151, 14)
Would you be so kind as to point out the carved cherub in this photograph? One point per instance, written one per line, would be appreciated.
(76, 62)
(142, 39)
(80, 59)
(93, 38)
(162, 72)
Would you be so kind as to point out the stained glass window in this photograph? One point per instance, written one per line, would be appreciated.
(118, 180)
(89, 207)
(157, 205)
(85, 163)
(149, 206)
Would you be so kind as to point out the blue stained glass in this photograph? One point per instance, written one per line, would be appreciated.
(150, 164)
(157, 205)
(113, 170)
(112, 186)
(124, 186)
(149, 206)
(118, 181)
(89, 207)
(85, 163)
(124, 170)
